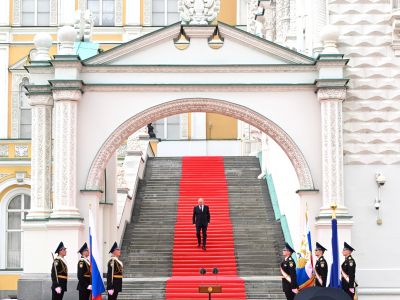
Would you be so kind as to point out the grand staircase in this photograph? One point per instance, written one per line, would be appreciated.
(149, 238)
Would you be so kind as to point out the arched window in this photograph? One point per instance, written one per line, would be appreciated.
(16, 211)
(25, 117)
(103, 12)
(165, 12)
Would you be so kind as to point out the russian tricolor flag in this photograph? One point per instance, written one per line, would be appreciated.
(97, 280)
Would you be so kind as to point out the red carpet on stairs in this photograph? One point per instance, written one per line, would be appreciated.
(204, 177)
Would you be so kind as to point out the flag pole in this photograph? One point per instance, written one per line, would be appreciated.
(335, 277)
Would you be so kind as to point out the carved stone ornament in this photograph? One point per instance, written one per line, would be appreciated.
(198, 12)
(332, 94)
(21, 150)
(3, 150)
(119, 136)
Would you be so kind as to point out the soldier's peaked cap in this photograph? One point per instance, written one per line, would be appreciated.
(83, 248)
(287, 247)
(60, 247)
(318, 246)
(114, 247)
(348, 247)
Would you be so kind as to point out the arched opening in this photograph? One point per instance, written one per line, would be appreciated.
(174, 107)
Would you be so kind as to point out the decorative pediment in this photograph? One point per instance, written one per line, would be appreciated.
(238, 48)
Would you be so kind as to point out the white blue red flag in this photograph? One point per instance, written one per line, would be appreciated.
(95, 261)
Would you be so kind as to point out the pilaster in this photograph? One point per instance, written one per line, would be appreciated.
(41, 100)
(66, 94)
(331, 100)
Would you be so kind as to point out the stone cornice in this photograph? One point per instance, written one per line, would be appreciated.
(169, 32)
(196, 87)
(39, 89)
(199, 68)
(331, 83)
(264, 45)
(66, 84)
(329, 63)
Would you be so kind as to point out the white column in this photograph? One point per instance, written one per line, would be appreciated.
(4, 50)
(199, 130)
(41, 156)
(332, 148)
(133, 12)
(319, 22)
(65, 160)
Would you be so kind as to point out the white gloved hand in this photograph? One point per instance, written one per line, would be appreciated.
(110, 292)
(89, 287)
(351, 290)
(58, 290)
(295, 291)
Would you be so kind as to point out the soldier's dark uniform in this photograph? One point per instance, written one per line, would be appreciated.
(59, 275)
(348, 273)
(115, 270)
(321, 268)
(84, 275)
(289, 277)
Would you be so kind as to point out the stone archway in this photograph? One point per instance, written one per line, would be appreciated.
(166, 109)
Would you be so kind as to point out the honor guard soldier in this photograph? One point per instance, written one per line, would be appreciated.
(348, 271)
(114, 273)
(84, 274)
(288, 270)
(321, 267)
(59, 273)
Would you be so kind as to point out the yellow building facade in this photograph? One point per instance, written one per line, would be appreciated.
(115, 22)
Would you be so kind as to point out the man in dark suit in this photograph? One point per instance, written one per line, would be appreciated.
(348, 271)
(201, 217)
(115, 269)
(84, 274)
(59, 273)
(288, 271)
(321, 266)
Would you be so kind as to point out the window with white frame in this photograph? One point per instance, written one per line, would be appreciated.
(35, 12)
(168, 128)
(25, 116)
(16, 212)
(164, 12)
(103, 12)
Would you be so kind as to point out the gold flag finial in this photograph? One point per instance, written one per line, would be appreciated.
(333, 207)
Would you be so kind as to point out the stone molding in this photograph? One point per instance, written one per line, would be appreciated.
(200, 69)
(67, 95)
(331, 94)
(199, 105)
(197, 88)
(41, 100)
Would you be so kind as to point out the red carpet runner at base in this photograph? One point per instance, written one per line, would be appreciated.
(204, 177)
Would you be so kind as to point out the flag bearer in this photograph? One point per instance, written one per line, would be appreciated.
(348, 272)
(115, 270)
(59, 273)
(321, 267)
(288, 271)
(84, 274)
